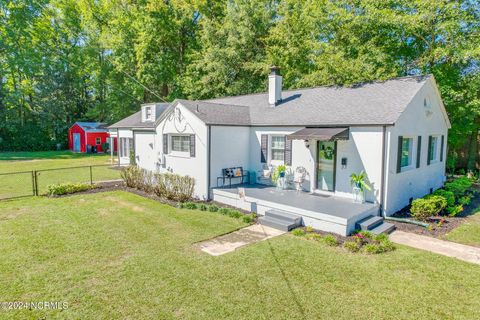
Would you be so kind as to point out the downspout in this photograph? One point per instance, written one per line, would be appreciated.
(209, 157)
(382, 188)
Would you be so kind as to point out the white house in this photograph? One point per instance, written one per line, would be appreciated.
(395, 131)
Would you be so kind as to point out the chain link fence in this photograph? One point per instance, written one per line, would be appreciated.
(36, 182)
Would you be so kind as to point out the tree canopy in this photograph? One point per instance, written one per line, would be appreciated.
(63, 61)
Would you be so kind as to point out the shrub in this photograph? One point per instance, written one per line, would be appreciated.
(174, 186)
(459, 186)
(378, 247)
(448, 195)
(424, 208)
(351, 246)
(330, 240)
(202, 207)
(366, 234)
(181, 205)
(454, 210)
(224, 211)
(213, 208)
(249, 218)
(190, 205)
(132, 176)
(465, 200)
(235, 214)
(298, 232)
(313, 236)
(138, 178)
(67, 188)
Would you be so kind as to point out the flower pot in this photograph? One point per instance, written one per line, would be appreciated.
(358, 194)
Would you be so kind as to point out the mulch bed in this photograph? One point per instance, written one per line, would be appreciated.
(340, 239)
(440, 225)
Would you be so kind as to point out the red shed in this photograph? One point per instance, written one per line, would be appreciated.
(83, 134)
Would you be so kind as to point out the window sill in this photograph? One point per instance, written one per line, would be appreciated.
(185, 155)
(276, 163)
(405, 169)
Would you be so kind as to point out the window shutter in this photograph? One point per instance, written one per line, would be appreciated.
(165, 144)
(264, 148)
(429, 150)
(288, 152)
(192, 145)
(399, 154)
(419, 150)
(441, 148)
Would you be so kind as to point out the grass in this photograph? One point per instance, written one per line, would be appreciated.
(21, 184)
(467, 233)
(26, 155)
(117, 255)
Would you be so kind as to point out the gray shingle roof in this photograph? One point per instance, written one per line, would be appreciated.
(364, 104)
(92, 126)
(215, 113)
(135, 120)
(371, 103)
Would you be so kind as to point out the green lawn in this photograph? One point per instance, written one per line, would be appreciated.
(21, 184)
(117, 255)
(468, 232)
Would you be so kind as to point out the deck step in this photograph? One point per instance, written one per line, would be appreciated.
(370, 223)
(385, 227)
(283, 215)
(277, 223)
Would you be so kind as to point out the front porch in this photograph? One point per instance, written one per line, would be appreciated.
(326, 213)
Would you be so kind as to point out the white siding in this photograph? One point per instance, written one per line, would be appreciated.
(145, 150)
(230, 148)
(195, 167)
(363, 151)
(415, 183)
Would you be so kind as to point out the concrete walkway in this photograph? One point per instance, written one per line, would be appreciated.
(446, 248)
(232, 241)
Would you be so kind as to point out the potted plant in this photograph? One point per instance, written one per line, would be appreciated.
(279, 173)
(359, 183)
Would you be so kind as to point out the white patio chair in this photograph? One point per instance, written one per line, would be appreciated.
(299, 178)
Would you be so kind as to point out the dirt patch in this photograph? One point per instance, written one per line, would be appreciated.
(14, 213)
(125, 204)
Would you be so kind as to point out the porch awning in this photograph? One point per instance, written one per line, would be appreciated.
(321, 134)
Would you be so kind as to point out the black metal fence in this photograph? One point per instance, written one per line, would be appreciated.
(36, 182)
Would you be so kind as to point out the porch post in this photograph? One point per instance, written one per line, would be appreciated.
(112, 145)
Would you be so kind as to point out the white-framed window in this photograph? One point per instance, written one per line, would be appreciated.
(433, 149)
(98, 141)
(125, 145)
(277, 148)
(406, 160)
(148, 113)
(180, 143)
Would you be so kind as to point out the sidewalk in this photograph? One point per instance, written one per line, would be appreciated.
(232, 241)
(446, 248)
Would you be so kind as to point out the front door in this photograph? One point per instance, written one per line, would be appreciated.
(76, 142)
(326, 155)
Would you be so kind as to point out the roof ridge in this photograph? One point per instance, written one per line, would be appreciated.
(356, 84)
(216, 103)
